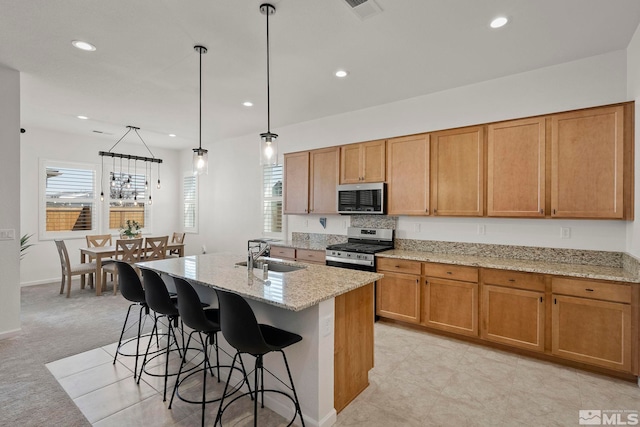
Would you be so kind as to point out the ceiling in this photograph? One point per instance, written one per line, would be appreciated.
(145, 71)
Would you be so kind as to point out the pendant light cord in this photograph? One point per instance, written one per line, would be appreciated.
(268, 79)
(200, 116)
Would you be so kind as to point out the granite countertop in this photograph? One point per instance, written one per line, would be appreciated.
(543, 267)
(295, 290)
(299, 244)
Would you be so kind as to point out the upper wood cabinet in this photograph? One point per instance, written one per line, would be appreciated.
(363, 162)
(296, 183)
(408, 175)
(587, 169)
(325, 170)
(516, 168)
(310, 181)
(457, 172)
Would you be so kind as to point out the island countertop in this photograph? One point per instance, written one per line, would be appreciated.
(295, 290)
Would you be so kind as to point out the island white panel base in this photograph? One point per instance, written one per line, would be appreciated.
(311, 360)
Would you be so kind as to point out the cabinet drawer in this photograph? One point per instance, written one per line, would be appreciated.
(398, 265)
(448, 271)
(310, 255)
(595, 290)
(512, 279)
(282, 252)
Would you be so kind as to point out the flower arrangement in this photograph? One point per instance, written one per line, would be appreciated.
(131, 230)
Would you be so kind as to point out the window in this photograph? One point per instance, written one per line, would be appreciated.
(190, 200)
(69, 205)
(127, 199)
(272, 201)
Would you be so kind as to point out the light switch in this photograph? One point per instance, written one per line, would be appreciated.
(8, 234)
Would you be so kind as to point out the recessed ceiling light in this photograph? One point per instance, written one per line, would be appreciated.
(83, 117)
(342, 73)
(83, 45)
(248, 104)
(172, 135)
(498, 22)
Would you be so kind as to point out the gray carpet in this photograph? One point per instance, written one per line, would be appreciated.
(53, 327)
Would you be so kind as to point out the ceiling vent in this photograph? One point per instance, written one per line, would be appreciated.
(364, 9)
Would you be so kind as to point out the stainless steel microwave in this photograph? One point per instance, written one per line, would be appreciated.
(367, 199)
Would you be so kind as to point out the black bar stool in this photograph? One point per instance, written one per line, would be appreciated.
(158, 299)
(243, 332)
(201, 321)
(131, 289)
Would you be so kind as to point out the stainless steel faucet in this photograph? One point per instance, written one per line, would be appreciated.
(253, 256)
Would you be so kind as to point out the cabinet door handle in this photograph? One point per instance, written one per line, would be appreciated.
(555, 301)
(427, 210)
(540, 299)
(542, 211)
(512, 280)
(417, 281)
(589, 290)
(448, 272)
(554, 211)
(435, 211)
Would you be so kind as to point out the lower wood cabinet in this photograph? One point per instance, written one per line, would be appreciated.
(581, 320)
(592, 323)
(398, 297)
(513, 309)
(450, 305)
(513, 316)
(302, 255)
(283, 252)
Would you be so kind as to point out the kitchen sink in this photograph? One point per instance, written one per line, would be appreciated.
(273, 266)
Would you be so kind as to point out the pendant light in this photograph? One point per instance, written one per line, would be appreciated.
(200, 155)
(269, 144)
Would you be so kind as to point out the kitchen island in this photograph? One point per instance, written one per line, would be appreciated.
(331, 308)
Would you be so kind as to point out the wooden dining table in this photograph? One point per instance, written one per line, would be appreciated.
(101, 253)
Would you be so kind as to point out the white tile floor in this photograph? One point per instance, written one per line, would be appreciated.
(419, 380)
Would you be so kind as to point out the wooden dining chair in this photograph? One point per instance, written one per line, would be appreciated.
(69, 270)
(98, 240)
(176, 238)
(155, 248)
(127, 250)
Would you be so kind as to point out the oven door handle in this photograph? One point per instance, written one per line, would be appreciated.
(349, 261)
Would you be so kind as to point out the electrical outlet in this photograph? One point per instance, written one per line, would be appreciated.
(305, 223)
(344, 224)
(565, 232)
(416, 227)
(327, 326)
(482, 229)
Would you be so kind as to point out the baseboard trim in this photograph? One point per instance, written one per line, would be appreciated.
(39, 282)
(10, 334)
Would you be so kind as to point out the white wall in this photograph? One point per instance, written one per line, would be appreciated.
(10, 206)
(633, 92)
(39, 144)
(232, 190)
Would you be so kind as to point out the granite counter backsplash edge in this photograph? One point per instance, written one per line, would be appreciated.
(621, 260)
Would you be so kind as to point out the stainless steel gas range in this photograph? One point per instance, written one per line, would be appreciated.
(359, 251)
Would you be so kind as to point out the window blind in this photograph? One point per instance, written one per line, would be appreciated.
(127, 199)
(272, 177)
(69, 199)
(190, 199)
